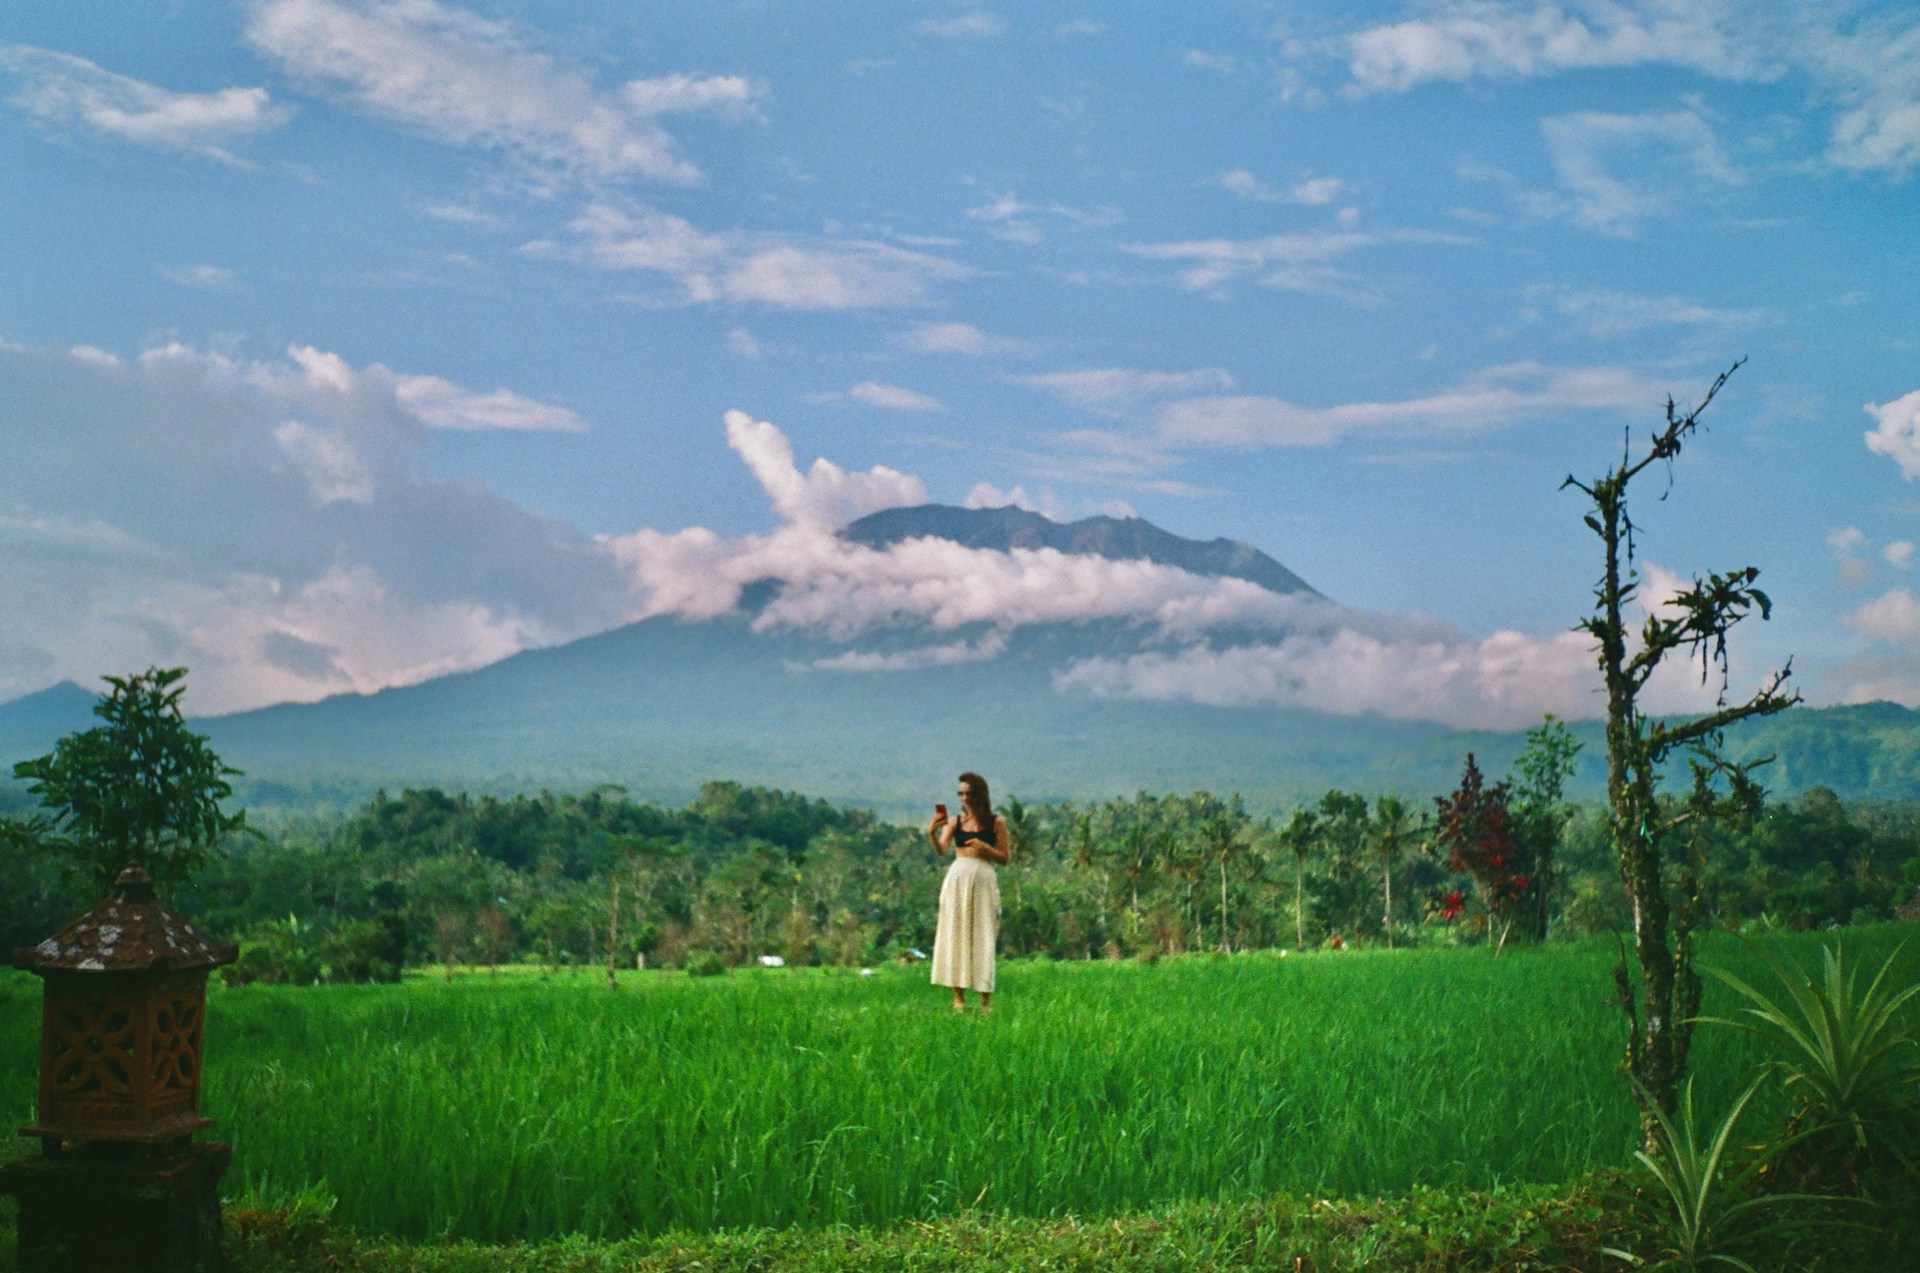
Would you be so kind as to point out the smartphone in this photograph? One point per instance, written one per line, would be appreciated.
(940, 812)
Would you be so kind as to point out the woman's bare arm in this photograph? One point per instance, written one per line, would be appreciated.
(1000, 848)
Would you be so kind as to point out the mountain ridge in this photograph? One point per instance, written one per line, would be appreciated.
(1116, 538)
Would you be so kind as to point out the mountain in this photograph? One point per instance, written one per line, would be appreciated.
(1119, 538)
(661, 705)
(31, 724)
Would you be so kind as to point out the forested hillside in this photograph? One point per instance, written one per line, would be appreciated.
(425, 876)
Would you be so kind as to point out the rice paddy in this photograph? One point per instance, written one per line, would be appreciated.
(523, 1107)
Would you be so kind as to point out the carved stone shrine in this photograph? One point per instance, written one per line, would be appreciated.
(118, 1183)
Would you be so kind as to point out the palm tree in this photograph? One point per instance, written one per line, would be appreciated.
(1301, 835)
(1392, 826)
(1221, 842)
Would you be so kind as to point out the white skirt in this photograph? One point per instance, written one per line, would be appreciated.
(969, 926)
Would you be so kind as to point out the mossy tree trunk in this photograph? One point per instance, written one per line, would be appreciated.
(1693, 624)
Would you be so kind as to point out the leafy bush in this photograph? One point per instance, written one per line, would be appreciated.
(1701, 1210)
(1842, 1050)
(290, 953)
(704, 963)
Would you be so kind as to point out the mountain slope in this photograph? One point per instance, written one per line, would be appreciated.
(1119, 538)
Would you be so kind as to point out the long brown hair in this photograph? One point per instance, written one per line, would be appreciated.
(979, 802)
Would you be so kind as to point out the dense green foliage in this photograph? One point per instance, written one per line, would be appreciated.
(141, 789)
(428, 877)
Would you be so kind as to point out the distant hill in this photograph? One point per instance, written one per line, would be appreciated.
(30, 725)
(1119, 538)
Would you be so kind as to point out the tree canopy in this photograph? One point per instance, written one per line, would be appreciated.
(141, 789)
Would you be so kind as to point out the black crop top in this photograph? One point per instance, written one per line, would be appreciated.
(961, 836)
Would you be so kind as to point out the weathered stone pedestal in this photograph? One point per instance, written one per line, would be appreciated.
(120, 1212)
(118, 1185)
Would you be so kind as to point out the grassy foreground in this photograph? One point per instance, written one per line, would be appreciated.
(1207, 1110)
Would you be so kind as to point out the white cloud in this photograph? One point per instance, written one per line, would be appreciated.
(1503, 682)
(1218, 63)
(88, 354)
(742, 343)
(1663, 151)
(1317, 190)
(1466, 39)
(445, 405)
(1110, 458)
(1015, 220)
(1383, 665)
(990, 646)
(1845, 539)
(466, 80)
(957, 338)
(1874, 75)
(1107, 387)
(755, 269)
(1869, 74)
(987, 495)
(1896, 433)
(1299, 261)
(335, 473)
(316, 376)
(1603, 312)
(269, 528)
(893, 397)
(1893, 617)
(1243, 183)
(211, 278)
(825, 496)
(1658, 588)
(1494, 398)
(977, 25)
(1899, 553)
(60, 89)
(255, 639)
(1313, 192)
(728, 96)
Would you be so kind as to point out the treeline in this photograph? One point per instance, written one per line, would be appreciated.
(427, 877)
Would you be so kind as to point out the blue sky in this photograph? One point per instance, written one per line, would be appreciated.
(345, 344)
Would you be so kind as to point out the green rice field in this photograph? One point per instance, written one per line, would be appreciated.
(523, 1107)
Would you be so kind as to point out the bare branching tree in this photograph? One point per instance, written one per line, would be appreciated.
(1646, 832)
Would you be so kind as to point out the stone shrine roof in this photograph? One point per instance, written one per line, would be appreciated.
(132, 930)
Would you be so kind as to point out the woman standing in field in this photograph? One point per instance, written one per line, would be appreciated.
(970, 896)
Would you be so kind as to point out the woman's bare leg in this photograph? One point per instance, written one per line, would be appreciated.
(959, 1000)
(986, 1001)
